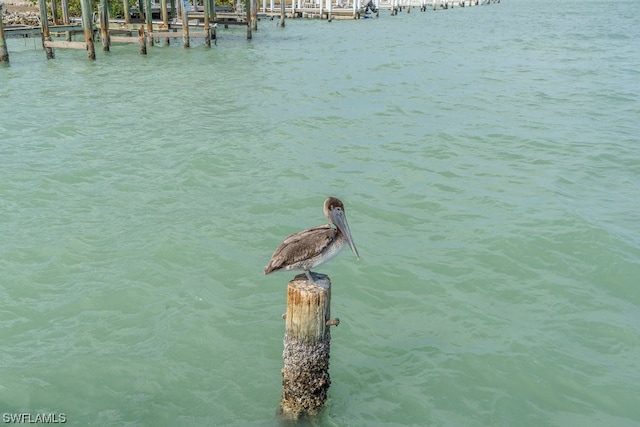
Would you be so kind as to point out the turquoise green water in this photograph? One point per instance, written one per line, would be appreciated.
(488, 160)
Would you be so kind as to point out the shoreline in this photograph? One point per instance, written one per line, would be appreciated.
(20, 12)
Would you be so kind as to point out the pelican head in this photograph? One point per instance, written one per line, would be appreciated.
(334, 211)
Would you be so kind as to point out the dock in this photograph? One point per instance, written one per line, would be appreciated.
(169, 19)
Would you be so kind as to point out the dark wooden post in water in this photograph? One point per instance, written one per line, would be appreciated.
(88, 28)
(305, 376)
(4, 53)
(165, 20)
(185, 25)
(142, 41)
(282, 12)
(247, 6)
(44, 21)
(254, 14)
(212, 17)
(104, 25)
(207, 24)
(148, 20)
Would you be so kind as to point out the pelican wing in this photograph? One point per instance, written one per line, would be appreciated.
(301, 247)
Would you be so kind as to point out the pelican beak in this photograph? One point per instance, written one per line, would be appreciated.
(340, 220)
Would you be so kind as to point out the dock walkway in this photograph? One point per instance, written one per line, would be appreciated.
(199, 22)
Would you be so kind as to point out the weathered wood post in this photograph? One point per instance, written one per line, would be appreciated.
(148, 20)
(247, 6)
(305, 376)
(254, 15)
(4, 53)
(125, 7)
(185, 24)
(142, 40)
(87, 24)
(212, 17)
(65, 11)
(207, 24)
(54, 12)
(104, 25)
(282, 11)
(44, 22)
(165, 20)
(65, 17)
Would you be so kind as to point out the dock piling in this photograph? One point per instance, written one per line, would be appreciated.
(104, 25)
(46, 37)
(4, 53)
(254, 15)
(165, 20)
(125, 8)
(65, 12)
(305, 376)
(185, 25)
(148, 19)
(282, 12)
(142, 40)
(65, 17)
(87, 24)
(247, 7)
(54, 12)
(207, 24)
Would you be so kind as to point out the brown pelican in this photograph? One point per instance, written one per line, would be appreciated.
(310, 248)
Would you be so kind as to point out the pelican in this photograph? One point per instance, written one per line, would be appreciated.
(310, 248)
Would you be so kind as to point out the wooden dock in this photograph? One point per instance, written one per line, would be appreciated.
(196, 22)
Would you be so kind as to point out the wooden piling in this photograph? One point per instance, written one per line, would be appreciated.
(165, 19)
(65, 12)
(54, 12)
(104, 25)
(4, 53)
(44, 22)
(65, 18)
(212, 9)
(148, 20)
(282, 12)
(207, 24)
(254, 15)
(185, 25)
(247, 6)
(142, 40)
(125, 7)
(212, 17)
(305, 376)
(87, 24)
